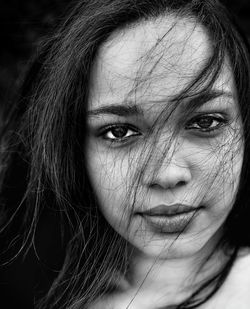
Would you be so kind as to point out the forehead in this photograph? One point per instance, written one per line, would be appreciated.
(153, 60)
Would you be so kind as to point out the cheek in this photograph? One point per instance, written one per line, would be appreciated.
(111, 177)
(220, 173)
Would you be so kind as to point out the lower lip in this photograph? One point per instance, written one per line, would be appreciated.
(173, 224)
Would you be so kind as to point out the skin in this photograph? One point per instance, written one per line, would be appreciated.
(186, 163)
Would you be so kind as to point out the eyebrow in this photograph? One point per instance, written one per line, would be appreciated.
(122, 110)
(130, 109)
(198, 100)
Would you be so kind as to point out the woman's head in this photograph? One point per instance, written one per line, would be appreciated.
(182, 152)
(63, 100)
(164, 65)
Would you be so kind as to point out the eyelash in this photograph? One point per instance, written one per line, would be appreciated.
(221, 121)
(126, 126)
(191, 125)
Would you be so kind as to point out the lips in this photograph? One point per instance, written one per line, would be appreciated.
(169, 210)
(170, 219)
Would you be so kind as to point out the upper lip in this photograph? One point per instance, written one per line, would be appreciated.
(169, 210)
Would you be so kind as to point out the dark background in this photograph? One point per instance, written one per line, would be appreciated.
(23, 26)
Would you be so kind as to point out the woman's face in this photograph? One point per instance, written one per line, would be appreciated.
(165, 178)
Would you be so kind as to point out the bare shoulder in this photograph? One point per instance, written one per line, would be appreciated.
(238, 282)
(100, 304)
(235, 291)
(241, 267)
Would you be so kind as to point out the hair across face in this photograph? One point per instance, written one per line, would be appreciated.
(160, 131)
(148, 149)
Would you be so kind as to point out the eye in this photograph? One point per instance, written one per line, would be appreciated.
(206, 123)
(119, 132)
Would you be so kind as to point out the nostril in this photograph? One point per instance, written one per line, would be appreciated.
(181, 183)
(169, 185)
(177, 184)
(154, 185)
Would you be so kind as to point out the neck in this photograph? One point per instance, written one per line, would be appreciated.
(174, 279)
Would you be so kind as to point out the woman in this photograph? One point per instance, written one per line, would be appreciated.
(136, 129)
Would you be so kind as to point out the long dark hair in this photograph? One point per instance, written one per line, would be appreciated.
(43, 137)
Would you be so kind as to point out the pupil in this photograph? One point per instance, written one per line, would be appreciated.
(205, 122)
(119, 132)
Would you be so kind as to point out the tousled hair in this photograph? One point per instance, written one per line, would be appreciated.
(43, 136)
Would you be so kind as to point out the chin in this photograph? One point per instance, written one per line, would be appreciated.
(177, 247)
(172, 251)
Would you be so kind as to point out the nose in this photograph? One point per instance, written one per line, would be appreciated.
(171, 176)
(168, 174)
